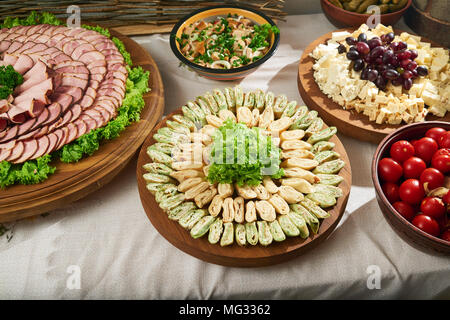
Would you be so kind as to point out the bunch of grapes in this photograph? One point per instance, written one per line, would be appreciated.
(380, 60)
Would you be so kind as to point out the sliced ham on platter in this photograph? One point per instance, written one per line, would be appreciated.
(74, 82)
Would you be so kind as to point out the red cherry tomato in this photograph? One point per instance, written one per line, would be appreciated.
(425, 148)
(401, 151)
(442, 151)
(406, 210)
(442, 163)
(390, 190)
(446, 198)
(435, 133)
(413, 167)
(433, 177)
(446, 235)
(389, 170)
(433, 207)
(427, 224)
(444, 141)
(411, 191)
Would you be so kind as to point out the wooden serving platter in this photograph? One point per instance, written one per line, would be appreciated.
(234, 255)
(348, 122)
(73, 181)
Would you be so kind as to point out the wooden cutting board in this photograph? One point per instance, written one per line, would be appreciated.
(348, 122)
(73, 181)
(234, 255)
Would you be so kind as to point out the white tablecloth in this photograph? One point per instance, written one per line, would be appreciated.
(119, 254)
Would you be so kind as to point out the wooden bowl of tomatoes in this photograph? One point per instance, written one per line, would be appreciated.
(411, 176)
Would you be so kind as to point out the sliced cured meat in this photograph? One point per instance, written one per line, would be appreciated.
(29, 149)
(63, 99)
(77, 69)
(118, 67)
(14, 46)
(63, 140)
(42, 132)
(55, 125)
(82, 49)
(26, 126)
(3, 125)
(18, 114)
(32, 29)
(97, 77)
(91, 92)
(53, 141)
(96, 63)
(68, 63)
(29, 135)
(4, 154)
(4, 105)
(10, 134)
(38, 92)
(104, 112)
(115, 101)
(76, 112)
(109, 106)
(9, 59)
(98, 70)
(41, 119)
(81, 128)
(74, 81)
(86, 102)
(4, 45)
(73, 132)
(36, 48)
(90, 56)
(91, 124)
(72, 32)
(42, 38)
(25, 46)
(69, 46)
(33, 80)
(116, 74)
(75, 92)
(16, 152)
(54, 112)
(43, 144)
(83, 76)
(38, 68)
(94, 84)
(8, 145)
(60, 58)
(111, 92)
(65, 119)
(60, 134)
(97, 116)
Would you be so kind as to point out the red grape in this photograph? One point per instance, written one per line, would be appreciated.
(374, 42)
(412, 66)
(404, 55)
(404, 63)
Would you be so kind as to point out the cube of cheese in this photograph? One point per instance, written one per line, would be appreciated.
(438, 110)
(430, 98)
(340, 36)
(416, 89)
